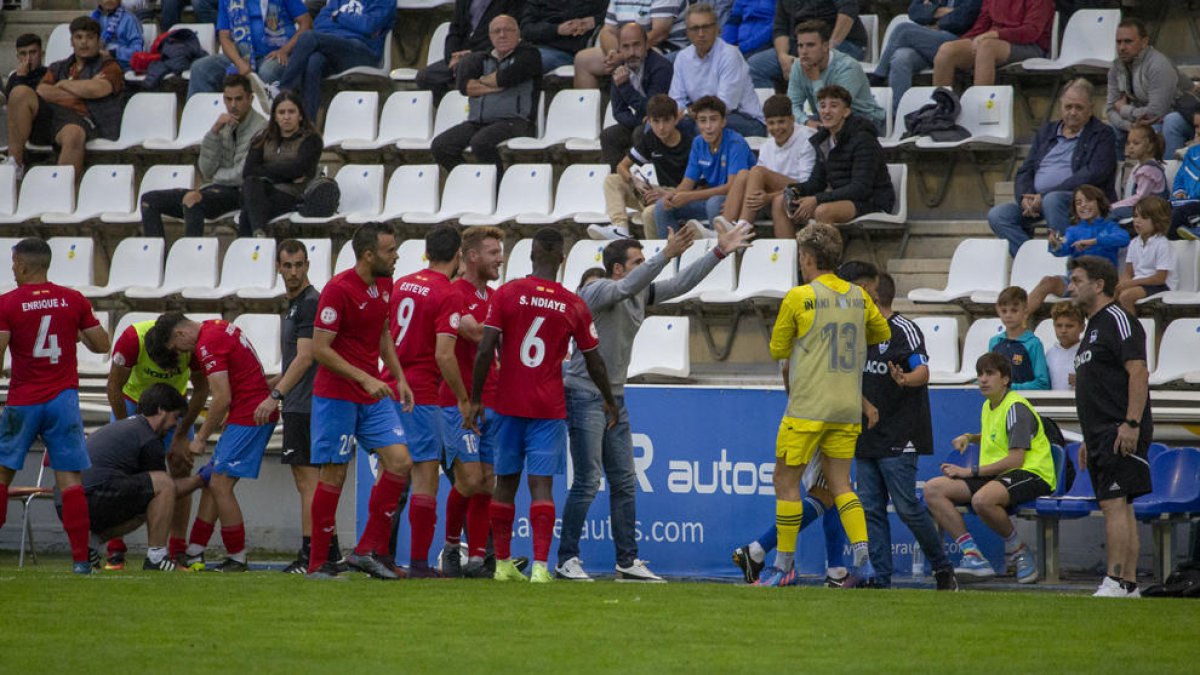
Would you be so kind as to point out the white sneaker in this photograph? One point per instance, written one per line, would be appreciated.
(265, 92)
(571, 569)
(637, 571)
(18, 170)
(1111, 589)
(608, 232)
(702, 230)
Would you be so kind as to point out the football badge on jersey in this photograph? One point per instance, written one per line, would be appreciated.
(1093, 335)
(1018, 359)
(328, 315)
(883, 347)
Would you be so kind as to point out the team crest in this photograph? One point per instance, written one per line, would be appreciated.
(454, 320)
(1093, 335)
(883, 347)
(328, 315)
(1018, 359)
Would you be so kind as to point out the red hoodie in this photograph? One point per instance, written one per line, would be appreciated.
(1019, 22)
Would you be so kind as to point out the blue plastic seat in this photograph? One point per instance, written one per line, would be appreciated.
(1175, 475)
(1155, 450)
(1077, 502)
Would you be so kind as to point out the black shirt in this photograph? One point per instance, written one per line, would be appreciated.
(904, 420)
(669, 162)
(1111, 339)
(123, 448)
(31, 80)
(298, 323)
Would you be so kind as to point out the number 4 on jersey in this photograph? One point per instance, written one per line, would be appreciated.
(46, 345)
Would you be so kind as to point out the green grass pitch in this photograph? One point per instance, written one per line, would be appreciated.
(267, 622)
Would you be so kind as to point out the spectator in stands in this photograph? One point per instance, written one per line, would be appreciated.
(172, 12)
(282, 160)
(78, 99)
(1185, 193)
(347, 34)
(717, 155)
(711, 67)
(769, 69)
(750, 25)
(560, 28)
(1015, 466)
(30, 70)
(661, 22)
(1078, 150)
(1144, 149)
(787, 157)
(1092, 233)
(255, 37)
(1150, 264)
(642, 74)
(851, 175)
(1018, 344)
(1143, 86)
(1060, 358)
(666, 148)
(818, 65)
(120, 31)
(222, 157)
(911, 47)
(468, 33)
(503, 86)
(1006, 31)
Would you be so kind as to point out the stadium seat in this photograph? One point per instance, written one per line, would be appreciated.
(411, 188)
(1180, 344)
(206, 34)
(768, 270)
(191, 263)
(147, 116)
(651, 248)
(1045, 332)
(8, 190)
(262, 331)
(517, 263)
(525, 189)
(574, 113)
(1034, 261)
(45, 189)
(320, 253)
(249, 264)
(106, 188)
(870, 22)
(987, 113)
(91, 363)
(382, 70)
(410, 258)
(913, 100)
(58, 45)
(405, 115)
(977, 265)
(1187, 268)
(437, 51)
(869, 67)
(974, 345)
(136, 261)
(584, 255)
(351, 116)
(579, 197)
(662, 347)
(361, 188)
(470, 188)
(452, 111)
(199, 114)
(899, 216)
(592, 144)
(72, 261)
(1175, 476)
(941, 343)
(1155, 450)
(345, 259)
(883, 97)
(7, 281)
(1151, 330)
(26, 495)
(721, 279)
(1090, 40)
(157, 177)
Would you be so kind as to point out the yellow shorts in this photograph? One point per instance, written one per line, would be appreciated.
(799, 440)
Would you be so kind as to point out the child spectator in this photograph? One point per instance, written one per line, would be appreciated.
(589, 275)
(1144, 147)
(1018, 344)
(1060, 358)
(1092, 234)
(1185, 193)
(1149, 263)
(120, 31)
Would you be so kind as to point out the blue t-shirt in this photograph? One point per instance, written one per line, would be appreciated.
(270, 32)
(714, 169)
(1056, 165)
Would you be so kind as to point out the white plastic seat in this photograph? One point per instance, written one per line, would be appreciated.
(7, 280)
(410, 258)
(1045, 333)
(869, 67)
(517, 263)
(899, 175)
(8, 190)
(437, 50)
(352, 116)
(58, 45)
(977, 265)
(361, 188)
(941, 343)
(914, 99)
(412, 187)
(71, 261)
(584, 255)
(191, 263)
(405, 115)
(1089, 40)
(206, 34)
(470, 188)
(1177, 353)
(263, 333)
(147, 116)
(721, 279)
(158, 177)
(249, 264)
(987, 113)
(1187, 267)
(974, 346)
(525, 189)
(662, 347)
(579, 197)
(592, 144)
(383, 69)
(345, 259)
(651, 248)
(451, 112)
(199, 114)
(89, 362)
(1151, 330)
(870, 22)
(320, 258)
(45, 189)
(106, 188)
(883, 98)
(574, 113)
(768, 270)
(137, 261)
(1034, 261)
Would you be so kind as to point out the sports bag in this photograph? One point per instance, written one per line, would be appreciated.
(320, 198)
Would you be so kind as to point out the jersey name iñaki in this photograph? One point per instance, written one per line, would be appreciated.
(475, 303)
(357, 312)
(130, 352)
(43, 322)
(536, 319)
(424, 306)
(222, 348)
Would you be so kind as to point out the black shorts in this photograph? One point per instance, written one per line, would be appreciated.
(1115, 475)
(119, 500)
(52, 118)
(1156, 288)
(297, 439)
(1023, 486)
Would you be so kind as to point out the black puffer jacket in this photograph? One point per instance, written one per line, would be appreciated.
(853, 170)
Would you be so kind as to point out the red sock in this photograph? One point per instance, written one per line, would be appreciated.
(202, 531)
(502, 516)
(541, 518)
(456, 515)
(385, 499)
(76, 521)
(117, 546)
(3, 503)
(176, 546)
(234, 538)
(324, 523)
(422, 518)
(478, 524)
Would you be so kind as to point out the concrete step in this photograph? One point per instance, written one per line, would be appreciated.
(919, 266)
(913, 309)
(948, 228)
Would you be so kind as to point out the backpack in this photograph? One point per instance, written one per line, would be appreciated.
(320, 198)
(1055, 435)
(1183, 583)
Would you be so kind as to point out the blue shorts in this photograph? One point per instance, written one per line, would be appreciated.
(59, 425)
(424, 432)
(537, 446)
(462, 444)
(338, 424)
(239, 452)
(131, 409)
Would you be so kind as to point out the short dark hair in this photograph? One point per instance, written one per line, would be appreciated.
(290, 247)
(617, 253)
(1096, 269)
(835, 91)
(708, 103)
(366, 237)
(160, 397)
(1134, 22)
(661, 107)
(885, 289)
(157, 337)
(853, 270)
(26, 39)
(33, 251)
(442, 243)
(814, 26)
(85, 24)
(1013, 295)
(548, 244)
(996, 363)
(237, 80)
(589, 274)
(1095, 194)
(778, 105)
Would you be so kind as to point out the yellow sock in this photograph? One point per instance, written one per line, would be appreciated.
(851, 512)
(787, 524)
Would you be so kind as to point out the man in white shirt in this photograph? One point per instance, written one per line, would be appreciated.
(713, 67)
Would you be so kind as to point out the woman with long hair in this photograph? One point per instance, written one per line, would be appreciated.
(282, 160)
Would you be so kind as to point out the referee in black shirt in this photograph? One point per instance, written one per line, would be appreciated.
(1112, 398)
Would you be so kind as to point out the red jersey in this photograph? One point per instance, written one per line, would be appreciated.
(222, 348)
(357, 313)
(424, 306)
(475, 303)
(43, 322)
(537, 319)
(127, 348)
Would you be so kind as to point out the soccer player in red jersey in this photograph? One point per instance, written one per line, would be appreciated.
(40, 322)
(351, 404)
(468, 455)
(533, 320)
(237, 385)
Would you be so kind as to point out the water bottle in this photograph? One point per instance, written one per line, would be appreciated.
(918, 562)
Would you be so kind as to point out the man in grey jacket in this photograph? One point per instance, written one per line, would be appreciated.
(618, 304)
(222, 154)
(1143, 86)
